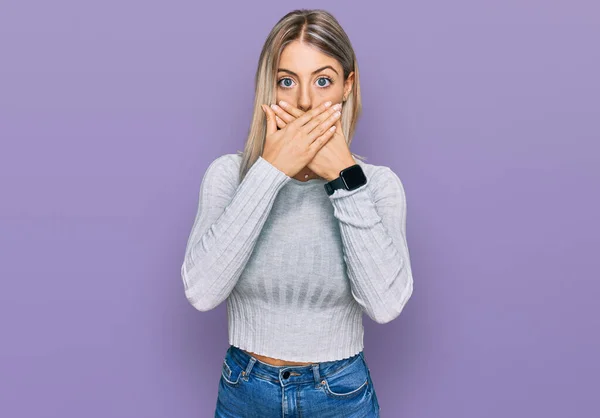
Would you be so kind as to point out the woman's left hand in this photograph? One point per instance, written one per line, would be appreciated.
(333, 157)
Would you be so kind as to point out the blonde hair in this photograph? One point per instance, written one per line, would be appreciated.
(321, 30)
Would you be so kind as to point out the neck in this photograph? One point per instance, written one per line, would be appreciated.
(306, 174)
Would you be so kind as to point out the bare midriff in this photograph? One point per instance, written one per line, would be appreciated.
(275, 361)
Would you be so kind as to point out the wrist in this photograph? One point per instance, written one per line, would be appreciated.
(335, 173)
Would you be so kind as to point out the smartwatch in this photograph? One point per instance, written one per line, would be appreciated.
(350, 178)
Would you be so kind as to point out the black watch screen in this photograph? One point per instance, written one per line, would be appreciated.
(353, 177)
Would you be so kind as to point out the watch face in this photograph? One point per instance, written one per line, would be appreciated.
(353, 177)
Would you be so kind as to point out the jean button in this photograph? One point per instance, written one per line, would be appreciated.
(286, 374)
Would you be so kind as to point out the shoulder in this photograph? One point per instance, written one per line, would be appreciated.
(225, 162)
(225, 167)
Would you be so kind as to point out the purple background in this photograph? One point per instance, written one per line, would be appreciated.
(111, 112)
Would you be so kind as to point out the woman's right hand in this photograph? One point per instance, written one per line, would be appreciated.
(290, 149)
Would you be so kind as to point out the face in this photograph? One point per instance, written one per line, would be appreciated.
(307, 77)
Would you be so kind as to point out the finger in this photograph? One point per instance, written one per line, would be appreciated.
(280, 123)
(338, 125)
(294, 111)
(271, 122)
(318, 143)
(307, 116)
(282, 114)
(322, 122)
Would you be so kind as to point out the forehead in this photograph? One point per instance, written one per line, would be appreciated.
(304, 59)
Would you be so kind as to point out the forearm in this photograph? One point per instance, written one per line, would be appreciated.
(375, 249)
(217, 254)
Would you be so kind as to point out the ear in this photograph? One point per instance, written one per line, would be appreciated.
(348, 84)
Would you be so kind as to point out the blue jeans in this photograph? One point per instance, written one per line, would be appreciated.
(251, 388)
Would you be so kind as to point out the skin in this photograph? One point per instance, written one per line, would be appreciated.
(298, 93)
(302, 91)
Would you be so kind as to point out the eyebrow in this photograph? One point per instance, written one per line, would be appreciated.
(314, 72)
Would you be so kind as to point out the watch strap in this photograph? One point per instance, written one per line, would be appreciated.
(334, 184)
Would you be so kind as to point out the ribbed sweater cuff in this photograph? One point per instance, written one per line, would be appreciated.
(269, 170)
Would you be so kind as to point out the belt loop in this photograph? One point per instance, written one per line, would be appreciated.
(316, 374)
(246, 372)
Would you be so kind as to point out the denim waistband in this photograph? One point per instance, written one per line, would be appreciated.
(289, 374)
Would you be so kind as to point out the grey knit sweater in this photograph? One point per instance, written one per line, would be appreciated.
(296, 266)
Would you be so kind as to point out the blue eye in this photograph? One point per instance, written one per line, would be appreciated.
(322, 78)
(288, 80)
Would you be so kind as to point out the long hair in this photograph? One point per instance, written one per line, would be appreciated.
(321, 30)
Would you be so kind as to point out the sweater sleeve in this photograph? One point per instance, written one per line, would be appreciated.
(372, 222)
(228, 222)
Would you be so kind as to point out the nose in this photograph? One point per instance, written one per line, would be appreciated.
(304, 99)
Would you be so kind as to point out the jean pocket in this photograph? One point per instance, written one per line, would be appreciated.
(231, 372)
(349, 381)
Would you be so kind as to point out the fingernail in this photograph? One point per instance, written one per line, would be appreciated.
(282, 103)
(274, 107)
(327, 104)
(337, 106)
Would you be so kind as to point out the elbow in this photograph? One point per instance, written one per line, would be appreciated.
(393, 309)
(387, 315)
(198, 298)
(201, 303)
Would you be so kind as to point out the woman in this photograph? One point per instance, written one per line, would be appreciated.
(299, 237)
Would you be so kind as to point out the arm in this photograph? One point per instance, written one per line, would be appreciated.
(227, 224)
(372, 222)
